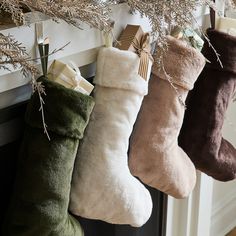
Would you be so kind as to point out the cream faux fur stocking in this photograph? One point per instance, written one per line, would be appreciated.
(102, 186)
(155, 156)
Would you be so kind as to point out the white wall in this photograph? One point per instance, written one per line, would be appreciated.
(224, 194)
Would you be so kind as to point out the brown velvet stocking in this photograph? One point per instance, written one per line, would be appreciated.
(201, 134)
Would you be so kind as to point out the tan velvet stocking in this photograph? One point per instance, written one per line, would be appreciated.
(155, 156)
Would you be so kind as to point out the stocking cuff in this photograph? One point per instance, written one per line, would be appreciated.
(119, 69)
(225, 46)
(182, 63)
(66, 111)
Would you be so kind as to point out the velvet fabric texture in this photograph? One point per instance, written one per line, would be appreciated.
(102, 186)
(39, 205)
(155, 156)
(201, 134)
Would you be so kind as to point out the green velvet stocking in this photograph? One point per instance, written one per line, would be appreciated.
(39, 205)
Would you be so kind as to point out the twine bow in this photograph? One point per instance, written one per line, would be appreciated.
(142, 48)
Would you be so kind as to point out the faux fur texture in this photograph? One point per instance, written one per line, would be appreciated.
(155, 156)
(201, 135)
(39, 205)
(103, 187)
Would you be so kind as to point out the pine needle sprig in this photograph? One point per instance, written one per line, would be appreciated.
(95, 13)
(40, 89)
(13, 55)
(166, 14)
(14, 8)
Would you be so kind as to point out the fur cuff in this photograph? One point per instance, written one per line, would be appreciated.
(119, 69)
(66, 111)
(182, 63)
(225, 46)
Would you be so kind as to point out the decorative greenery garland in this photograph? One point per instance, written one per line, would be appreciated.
(162, 14)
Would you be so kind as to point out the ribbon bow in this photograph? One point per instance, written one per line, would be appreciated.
(142, 48)
(81, 84)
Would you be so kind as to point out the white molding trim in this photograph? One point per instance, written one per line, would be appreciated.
(224, 215)
(15, 79)
(192, 216)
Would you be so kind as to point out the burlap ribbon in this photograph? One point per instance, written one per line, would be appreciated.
(142, 48)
